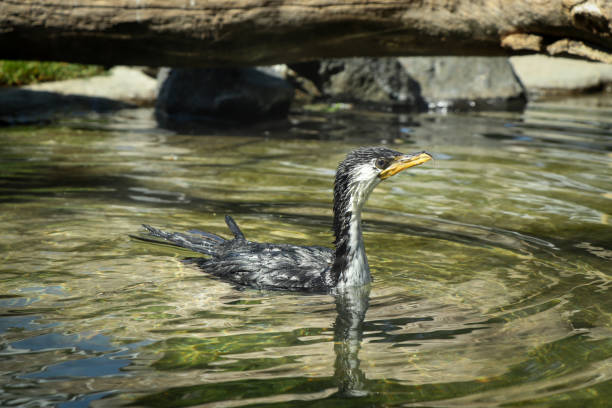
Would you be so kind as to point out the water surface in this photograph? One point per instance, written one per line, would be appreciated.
(492, 264)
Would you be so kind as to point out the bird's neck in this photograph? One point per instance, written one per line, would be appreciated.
(350, 266)
(353, 269)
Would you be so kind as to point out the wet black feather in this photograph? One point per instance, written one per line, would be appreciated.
(283, 266)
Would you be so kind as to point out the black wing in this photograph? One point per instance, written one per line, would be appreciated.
(274, 266)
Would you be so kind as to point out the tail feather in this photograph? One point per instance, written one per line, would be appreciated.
(234, 228)
(204, 244)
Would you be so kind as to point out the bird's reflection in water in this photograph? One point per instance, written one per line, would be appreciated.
(351, 304)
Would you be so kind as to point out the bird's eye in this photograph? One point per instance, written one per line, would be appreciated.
(381, 163)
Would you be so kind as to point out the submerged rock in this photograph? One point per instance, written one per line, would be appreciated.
(221, 96)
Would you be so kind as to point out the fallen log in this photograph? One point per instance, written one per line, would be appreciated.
(261, 32)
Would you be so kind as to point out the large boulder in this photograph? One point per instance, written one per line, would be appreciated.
(415, 83)
(466, 82)
(221, 96)
(544, 75)
(377, 81)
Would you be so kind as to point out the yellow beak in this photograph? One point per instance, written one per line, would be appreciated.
(404, 162)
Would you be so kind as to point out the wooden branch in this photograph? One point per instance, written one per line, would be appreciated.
(258, 32)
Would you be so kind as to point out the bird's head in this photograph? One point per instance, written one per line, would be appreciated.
(364, 168)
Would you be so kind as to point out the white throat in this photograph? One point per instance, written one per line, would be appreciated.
(357, 270)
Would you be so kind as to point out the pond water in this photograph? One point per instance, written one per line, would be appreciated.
(492, 264)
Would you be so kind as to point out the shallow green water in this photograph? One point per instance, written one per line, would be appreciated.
(492, 265)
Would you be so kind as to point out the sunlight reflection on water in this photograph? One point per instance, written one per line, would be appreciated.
(491, 267)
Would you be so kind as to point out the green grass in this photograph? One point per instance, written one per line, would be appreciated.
(15, 73)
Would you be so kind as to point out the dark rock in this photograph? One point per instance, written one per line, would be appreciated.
(380, 81)
(417, 83)
(220, 96)
(466, 82)
(20, 106)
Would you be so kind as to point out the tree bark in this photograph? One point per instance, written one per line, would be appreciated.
(260, 32)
